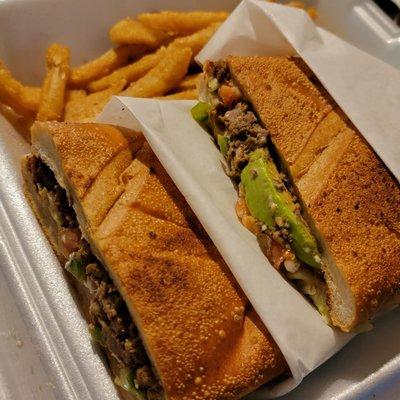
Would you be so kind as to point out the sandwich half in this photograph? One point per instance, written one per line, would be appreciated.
(325, 209)
(158, 297)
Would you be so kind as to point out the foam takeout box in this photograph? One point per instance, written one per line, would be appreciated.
(28, 263)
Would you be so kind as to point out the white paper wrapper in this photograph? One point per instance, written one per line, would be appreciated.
(194, 163)
(367, 90)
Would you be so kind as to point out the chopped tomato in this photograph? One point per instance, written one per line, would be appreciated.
(277, 254)
(70, 239)
(228, 94)
(250, 223)
(243, 214)
(274, 251)
(241, 208)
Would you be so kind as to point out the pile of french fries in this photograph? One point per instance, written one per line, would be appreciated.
(153, 56)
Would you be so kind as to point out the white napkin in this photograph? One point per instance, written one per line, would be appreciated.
(368, 91)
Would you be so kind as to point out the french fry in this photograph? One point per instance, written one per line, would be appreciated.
(296, 4)
(136, 70)
(32, 95)
(130, 73)
(191, 94)
(130, 31)
(74, 94)
(197, 40)
(53, 90)
(166, 75)
(22, 124)
(72, 98)
(103, 65)
(182, 23)
(312, 12)
(24, 100)
(190, 82)
(82, 107)
(90, 85)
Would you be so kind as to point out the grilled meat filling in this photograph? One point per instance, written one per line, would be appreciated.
(235, 117)
(240, 137)
(111, 324)
(43, 177)
(244, 132)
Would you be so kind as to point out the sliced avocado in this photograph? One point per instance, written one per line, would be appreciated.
(223, 144)
(76, 268)
(200, 111)
(126, 380)
(271, 203)
(96, 334)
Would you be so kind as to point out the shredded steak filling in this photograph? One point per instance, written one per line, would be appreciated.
(109, 315)
(240, 123)
(233, 118)
(245, 134)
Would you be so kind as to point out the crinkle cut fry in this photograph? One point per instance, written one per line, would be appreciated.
(164, 76)
(182, 22)
(53, 90)
(24, 100)
(130, 72)
(103, 65)
(130, 31)
(82, 107)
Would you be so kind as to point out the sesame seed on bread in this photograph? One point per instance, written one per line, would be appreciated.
(349, 197)
(200, 331)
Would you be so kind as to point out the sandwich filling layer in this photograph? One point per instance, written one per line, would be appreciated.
(111, 324)
(267, 203)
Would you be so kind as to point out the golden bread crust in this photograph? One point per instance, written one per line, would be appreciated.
(85, 151)
(358, 213)
(106, 188)
(204, 339)
(349, 194)
(283, 97)
(332, 126)
(198, 327)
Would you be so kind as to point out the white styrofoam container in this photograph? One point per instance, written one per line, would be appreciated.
(36, 303)
(363, 24)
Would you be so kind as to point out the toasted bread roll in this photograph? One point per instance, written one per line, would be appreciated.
(201, 336)
(349, 197)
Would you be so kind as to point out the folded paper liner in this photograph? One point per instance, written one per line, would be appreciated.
(367, 89)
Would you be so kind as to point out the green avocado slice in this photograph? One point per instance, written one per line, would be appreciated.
(76, 268)
(200, 111)
(96, 334)
(271, 203)
(126, 380)
(223, 144)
